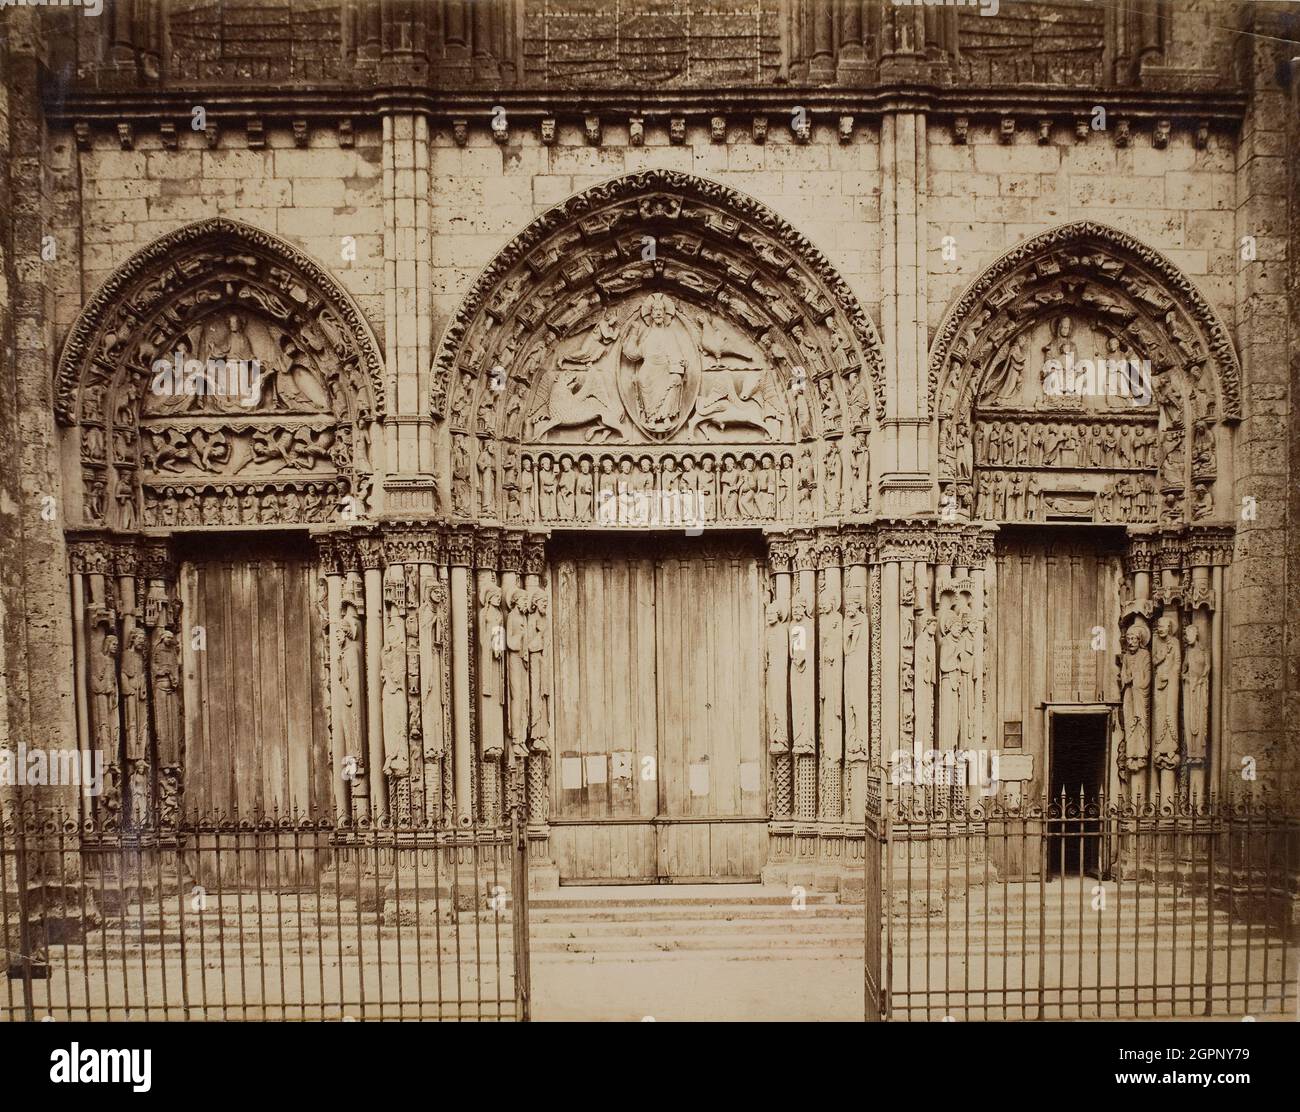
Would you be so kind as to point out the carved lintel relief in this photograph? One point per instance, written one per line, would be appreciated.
(1083, 378)
(221, 378)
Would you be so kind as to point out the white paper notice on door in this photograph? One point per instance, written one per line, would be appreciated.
(571, 773)
(749, 776)
(596, 769)
(700, 778)
(620, 765)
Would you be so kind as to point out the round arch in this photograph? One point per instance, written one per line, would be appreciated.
(220, 376)
(656, 324)
(1082, 350)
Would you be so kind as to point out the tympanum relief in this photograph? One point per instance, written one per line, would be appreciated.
(1082, 379)
(666, 338)
(221, 379)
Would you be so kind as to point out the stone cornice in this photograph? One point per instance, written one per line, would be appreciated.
(327, 103)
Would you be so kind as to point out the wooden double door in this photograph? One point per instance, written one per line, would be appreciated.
(659, 765)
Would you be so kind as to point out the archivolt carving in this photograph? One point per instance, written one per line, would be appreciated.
(222, 363)
(1082, 377)
(656, 310)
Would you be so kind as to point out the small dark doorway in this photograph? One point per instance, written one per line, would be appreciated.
(1078, 772)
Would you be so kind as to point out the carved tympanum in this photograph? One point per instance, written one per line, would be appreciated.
(220, 377)
(1081, 377)
(650, 315)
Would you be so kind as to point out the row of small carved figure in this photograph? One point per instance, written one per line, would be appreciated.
(1056, 445)
(738, 487)
(228, 505)
(1014, 496)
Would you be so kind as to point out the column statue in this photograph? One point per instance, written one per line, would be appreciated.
(1167, 657)
(539, 685)
(830, 641)
(491, 678)
(1135, 684)
(802, 678)
(517, 686)
(857, 681)
(778, 679)
(1196, 695)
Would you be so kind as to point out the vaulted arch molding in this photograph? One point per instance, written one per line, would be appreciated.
(220, 377)
(1083, 377)
(655, 324)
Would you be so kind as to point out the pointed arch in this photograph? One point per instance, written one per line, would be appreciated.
(1117, 262)
(546, 345)
(1163, 385)
(148, 376)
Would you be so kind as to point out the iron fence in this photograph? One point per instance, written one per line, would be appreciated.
(263, 919)
(1077, 909)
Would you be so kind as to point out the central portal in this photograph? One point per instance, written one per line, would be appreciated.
(659, 769)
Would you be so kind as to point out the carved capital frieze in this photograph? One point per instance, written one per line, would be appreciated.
(1141, 553)
(460, 548)
(370, 552)
(1210, 545)
(534, 554)
(806, 552)
(780, 552)
(487, 550)
(899, 541)
(511, 552)
(858, 548)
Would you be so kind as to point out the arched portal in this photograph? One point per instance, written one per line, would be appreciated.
(663, 354)
(1085, 394)
(1083, 377)
(218, 395)
(220, 377)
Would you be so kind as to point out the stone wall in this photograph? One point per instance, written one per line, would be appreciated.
(297, 149)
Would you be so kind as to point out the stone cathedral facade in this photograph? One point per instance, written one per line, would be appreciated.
(680, 419)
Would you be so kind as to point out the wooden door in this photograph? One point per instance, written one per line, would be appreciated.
(659, 766)
(256, 738)
(709, 639)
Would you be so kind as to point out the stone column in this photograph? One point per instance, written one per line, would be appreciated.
(780, 552)
(1166, 736)
(858, 673)
(1209, 552)
(830, 681)
(803, 708)
(341, 774)
(370, 553)
(542, 870)
(830, 710)
(489, 687)
(460, 557)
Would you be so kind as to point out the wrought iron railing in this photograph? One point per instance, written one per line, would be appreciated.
(1077, 908)
(267, 918)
